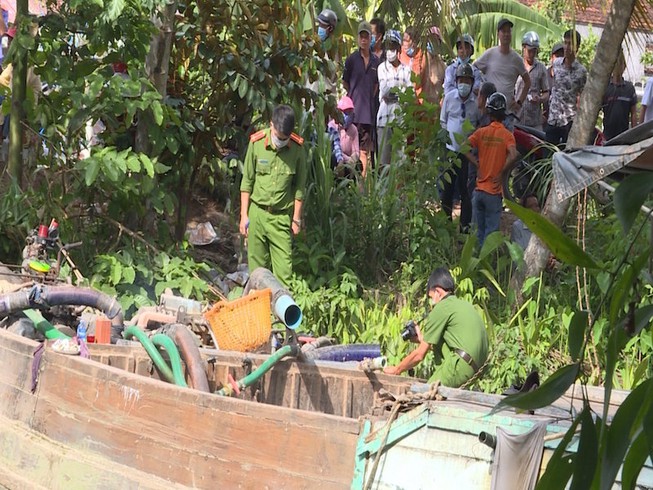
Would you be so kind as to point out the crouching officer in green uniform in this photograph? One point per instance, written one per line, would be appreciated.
(271, 194)
(455, 332)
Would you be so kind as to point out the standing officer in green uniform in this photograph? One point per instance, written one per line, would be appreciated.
(454, 330)
(271, 194)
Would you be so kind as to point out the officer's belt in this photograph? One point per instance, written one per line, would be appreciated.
(271, 209)
(467, 358)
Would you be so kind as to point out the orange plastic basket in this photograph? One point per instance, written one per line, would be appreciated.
(241, 325)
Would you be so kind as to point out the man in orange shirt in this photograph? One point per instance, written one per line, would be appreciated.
(497, 153)
(411, 55)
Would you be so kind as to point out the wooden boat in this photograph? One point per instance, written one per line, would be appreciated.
(108, 422)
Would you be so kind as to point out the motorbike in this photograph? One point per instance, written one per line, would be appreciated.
(532, 174)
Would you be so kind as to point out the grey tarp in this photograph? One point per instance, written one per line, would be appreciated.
(517, 459)
(574, 171)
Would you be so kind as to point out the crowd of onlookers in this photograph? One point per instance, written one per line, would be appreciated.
(480, 102)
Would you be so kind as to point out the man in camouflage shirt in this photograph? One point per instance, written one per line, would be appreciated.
(530, 113)
(569, 78)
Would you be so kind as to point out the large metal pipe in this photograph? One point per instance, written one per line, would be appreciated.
(344, 353)
(190, 353)
(283, 304)
(43, 297)
(488, 439)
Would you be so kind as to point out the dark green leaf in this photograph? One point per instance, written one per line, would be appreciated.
(643, 317)
(623, 284)
(491, 243)
(620, 431)
(157, 111)
(629, 197)
(242, 88)
(552, 389)
(92, 170)
(467, 254)
(616, 341)
(579, 323)
(587, 454)
(633, 462)
(561, 246)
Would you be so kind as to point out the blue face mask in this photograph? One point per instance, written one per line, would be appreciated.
(429, 48)
(322, 33)
(410, 52)
(464, 61)
(372, 42)
(349, 119)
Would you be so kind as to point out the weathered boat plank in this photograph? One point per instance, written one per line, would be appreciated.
(15, 379)
(199, 439)
(46, 464)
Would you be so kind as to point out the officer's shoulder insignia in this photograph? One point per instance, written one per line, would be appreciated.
(259, 135)
(296, 138)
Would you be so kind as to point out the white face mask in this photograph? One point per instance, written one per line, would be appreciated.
(279, 143)
(464, 89)
(391, 55)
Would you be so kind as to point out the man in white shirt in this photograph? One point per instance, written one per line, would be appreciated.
(393, 77)
(502, 66)
(460, 117)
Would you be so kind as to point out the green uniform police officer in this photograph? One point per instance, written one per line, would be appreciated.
(271, 194)
(455, 332)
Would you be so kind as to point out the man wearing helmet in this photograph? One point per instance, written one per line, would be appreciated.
(502, 65)
(459, 110)
(497, 152)
(326, 24)
(394, 77)
(465, 50)
(530, 113)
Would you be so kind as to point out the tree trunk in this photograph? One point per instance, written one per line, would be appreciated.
(157, 67)
(537, 254)
(18, 95)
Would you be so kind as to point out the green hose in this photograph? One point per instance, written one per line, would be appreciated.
(44, 326)
(254, 376)
(173, 353)
(154, 354)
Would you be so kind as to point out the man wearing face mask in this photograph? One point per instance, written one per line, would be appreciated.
(326, 24)
(453, 330)
(434, 67)
(377, 41)
(271, 194)
(459, 116)
(465, 51)
(393, 78)
(411, 55)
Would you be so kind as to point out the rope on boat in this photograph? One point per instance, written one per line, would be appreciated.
(386, 400)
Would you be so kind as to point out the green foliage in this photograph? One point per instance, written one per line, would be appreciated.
(625, 317)
(374, 226)
(647, 58)
(138, 279)
(15, 217)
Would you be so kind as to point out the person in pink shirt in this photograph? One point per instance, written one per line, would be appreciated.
(349, 145)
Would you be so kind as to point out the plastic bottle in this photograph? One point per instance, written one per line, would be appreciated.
(81, 330)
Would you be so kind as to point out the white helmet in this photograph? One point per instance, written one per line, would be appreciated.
(531, 39)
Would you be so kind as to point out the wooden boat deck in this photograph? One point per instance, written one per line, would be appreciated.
(98, 423)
